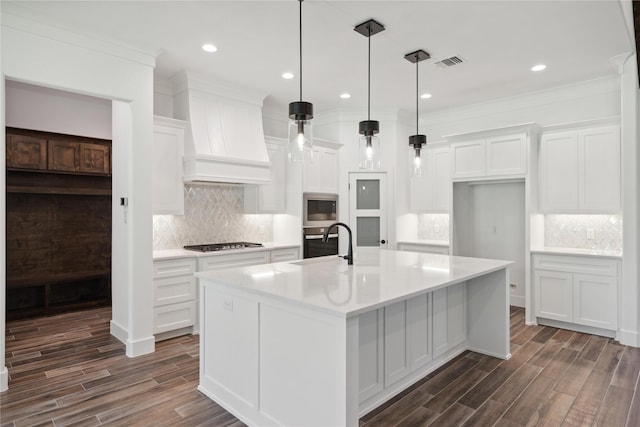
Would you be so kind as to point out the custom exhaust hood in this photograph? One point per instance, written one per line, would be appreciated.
(224, 140)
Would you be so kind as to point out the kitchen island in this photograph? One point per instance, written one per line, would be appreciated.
(319, 342)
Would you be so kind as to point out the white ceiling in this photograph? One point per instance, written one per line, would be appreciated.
(258, 40)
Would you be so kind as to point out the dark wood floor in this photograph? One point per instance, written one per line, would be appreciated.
(67, 370)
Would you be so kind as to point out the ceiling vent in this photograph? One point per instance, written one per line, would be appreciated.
(450, 62)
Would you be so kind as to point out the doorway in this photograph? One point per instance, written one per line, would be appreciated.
(368, 209)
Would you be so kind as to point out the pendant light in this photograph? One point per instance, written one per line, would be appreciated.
(417, 141)
(369, 145)
(300, 115)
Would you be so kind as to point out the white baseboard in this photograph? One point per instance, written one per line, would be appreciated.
(517, 300)
(4, 379)
(134, 348)
(630, 338)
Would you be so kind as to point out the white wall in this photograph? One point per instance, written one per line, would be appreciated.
(35, 53)
(50, 110)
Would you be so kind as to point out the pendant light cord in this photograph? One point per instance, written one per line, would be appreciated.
(417, 91)
(369, 77)
(300, 20)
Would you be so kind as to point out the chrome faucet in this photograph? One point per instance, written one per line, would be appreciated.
(325, 237)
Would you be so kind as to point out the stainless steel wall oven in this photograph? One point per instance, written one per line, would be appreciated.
(319, 212)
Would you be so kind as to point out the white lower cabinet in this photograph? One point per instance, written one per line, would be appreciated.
(398, 341)
(174, 295)
(578, 290)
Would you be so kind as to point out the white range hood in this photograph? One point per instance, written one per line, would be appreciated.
(224, 140)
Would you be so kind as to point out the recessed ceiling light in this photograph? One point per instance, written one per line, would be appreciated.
(425, 96)
(345, 95)
(538, 67)
(208, 47)
(287, 76)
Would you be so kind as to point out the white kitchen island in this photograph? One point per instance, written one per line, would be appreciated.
(319, 342)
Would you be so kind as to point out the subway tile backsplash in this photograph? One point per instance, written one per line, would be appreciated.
(583, 231)
(212, 213)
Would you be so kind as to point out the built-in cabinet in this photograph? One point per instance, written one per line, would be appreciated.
(493, 156)
(430, 191)
(579, 171)
(174, 296)
(167, 186)
(398, 340)
(321, 168)
(576, 290)
(271, 197)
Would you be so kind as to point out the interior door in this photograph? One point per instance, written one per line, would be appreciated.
(368, 208)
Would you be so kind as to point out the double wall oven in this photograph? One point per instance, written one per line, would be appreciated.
(319, 212)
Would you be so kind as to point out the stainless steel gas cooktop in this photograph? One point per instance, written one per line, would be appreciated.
(212, 247)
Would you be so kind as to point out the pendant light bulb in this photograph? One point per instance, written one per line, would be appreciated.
(300, 115)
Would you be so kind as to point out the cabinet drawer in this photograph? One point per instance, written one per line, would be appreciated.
(285, 254)
(233, 260)
(576, 264)
(174, 267)
(170, 290)
(175, 316)
(430, 249)
(26, 152)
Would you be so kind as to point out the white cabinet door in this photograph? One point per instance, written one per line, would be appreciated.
(599, 175)
(370, 354)
(167, 188)
(329, 172)
(506, 155)
(320, 170)
(430, 192)
(559, 172)
(419, 331)
(595, 301)
(269, 198)
(553, 292)
(396, 357)
(468, 159)
(448, 318)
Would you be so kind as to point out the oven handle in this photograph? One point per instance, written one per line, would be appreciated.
(319, 236)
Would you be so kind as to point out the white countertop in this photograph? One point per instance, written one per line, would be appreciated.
(377, 278)
(442, 243)
(598, 253)
(166, 254)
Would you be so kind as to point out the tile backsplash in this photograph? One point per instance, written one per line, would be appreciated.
(573, 231)
(212, 213)
(433, 227)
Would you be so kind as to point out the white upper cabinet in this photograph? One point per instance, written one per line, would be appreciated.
(580, 171)
(430, 192)
(321, 169)
(167, 167)
(494, 156)
(270, 198)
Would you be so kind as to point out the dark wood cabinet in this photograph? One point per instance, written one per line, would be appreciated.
(95, 158)
(26, 152)
(50, 152)
(64, 156)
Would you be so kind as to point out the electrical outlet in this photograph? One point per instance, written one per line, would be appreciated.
(228, 304)
(591, 233)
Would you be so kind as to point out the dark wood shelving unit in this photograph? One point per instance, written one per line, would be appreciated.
(58, 223)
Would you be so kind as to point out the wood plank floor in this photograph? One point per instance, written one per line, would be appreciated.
(68, 371)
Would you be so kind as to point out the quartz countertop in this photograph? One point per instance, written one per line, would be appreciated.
(377, 278)
(599, 253)
(165, 254)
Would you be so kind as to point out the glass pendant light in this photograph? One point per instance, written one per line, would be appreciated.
(369, 144)
(417, 141)
(300, 115)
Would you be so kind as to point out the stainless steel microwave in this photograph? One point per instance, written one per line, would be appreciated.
(319, 210)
